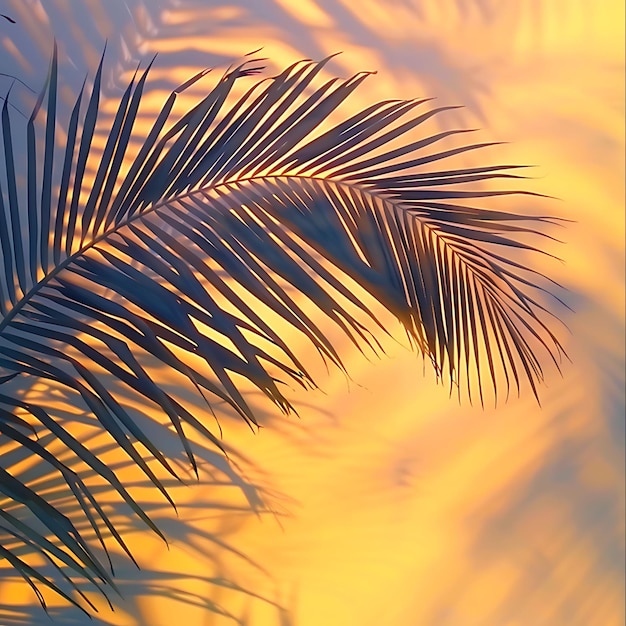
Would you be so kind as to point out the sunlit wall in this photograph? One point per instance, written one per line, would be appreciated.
(387, 502)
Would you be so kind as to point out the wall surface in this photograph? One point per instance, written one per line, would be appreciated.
(387, 502)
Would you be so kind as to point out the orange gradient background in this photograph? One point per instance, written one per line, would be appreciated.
(388, 503)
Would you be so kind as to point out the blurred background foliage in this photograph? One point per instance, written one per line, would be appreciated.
(387, 502)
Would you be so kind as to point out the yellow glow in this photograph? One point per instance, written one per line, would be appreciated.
(307, 12)
(394, 504)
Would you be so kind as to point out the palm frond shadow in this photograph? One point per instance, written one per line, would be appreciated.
(160, 585)
(31, 616)
(221, 598)
(439, 72)
(409, 42)
(566, 505)
(113, 260)
(226, 500)
(119, 25)
(586, 522)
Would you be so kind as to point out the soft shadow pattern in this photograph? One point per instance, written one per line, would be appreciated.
(539, 484)
(404, 48)
(225, 500)
(401, 49)
(575, 495)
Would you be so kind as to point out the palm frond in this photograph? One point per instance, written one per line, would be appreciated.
(231, 198)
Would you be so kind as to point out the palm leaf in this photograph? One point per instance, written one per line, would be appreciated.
(230, 198)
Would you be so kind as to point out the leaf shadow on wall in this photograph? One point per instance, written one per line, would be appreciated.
(220, 579)
(201, 33)
(549, 543)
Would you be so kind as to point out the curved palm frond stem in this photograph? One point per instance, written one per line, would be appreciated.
(221, 208)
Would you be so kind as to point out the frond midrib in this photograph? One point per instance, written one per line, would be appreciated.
(25, 299)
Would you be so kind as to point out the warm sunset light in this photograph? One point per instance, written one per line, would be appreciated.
(336, 284)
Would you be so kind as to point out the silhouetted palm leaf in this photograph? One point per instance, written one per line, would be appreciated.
(144, 260)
